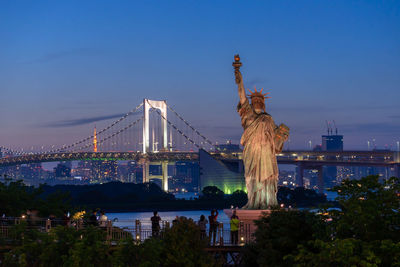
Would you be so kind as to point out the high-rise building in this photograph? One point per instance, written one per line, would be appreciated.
(63, 169)
(331, 143)
(104, 170)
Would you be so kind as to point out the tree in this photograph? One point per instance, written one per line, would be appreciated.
(61, 247)
(212, 193)
(299, 197)
(237, 198)
(183, 245)
(279, 234)
(370, 209)
(180, 246)
(16, 198)
(365, 231)
(339, 252)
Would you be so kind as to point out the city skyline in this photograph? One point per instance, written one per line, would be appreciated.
(65, 67)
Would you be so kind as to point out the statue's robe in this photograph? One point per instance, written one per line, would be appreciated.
(259, 157)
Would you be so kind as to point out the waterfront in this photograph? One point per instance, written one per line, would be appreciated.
(127, 219)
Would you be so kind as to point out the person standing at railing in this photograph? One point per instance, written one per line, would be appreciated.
(66, 221)
(203, 225)
(103, 219)
(212, 233)
(175, 221)
(234, 228)
(155, 224)
(93, 219)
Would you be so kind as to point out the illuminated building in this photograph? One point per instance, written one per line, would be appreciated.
(104, 171)
(184, 175)
(63, 169)
(228, 176)
(130, 172)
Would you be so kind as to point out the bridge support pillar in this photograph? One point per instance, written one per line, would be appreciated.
(299, 175)
(164, 165)
(320, 179)
(146, 170)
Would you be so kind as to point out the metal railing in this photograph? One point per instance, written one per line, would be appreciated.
(138, 231)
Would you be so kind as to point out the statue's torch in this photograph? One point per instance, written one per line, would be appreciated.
(236, 65)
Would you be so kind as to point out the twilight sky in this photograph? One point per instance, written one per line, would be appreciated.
(66, 64)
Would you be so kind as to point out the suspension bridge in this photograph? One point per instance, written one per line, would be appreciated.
(145, 134)
(153, 133)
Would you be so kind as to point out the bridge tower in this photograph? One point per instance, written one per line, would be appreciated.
(162, 106)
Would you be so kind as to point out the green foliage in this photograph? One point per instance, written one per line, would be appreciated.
(340, 252)
(300, 197)
(129, 253)
(370, 209)
(183, 245)
(212, 193)
(90, 249)
(279, 233)
(180, 246)
(16, 198)
(365, 231)
(63, 246)
(237, 198)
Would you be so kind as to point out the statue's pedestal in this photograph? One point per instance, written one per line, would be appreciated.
(247, 217)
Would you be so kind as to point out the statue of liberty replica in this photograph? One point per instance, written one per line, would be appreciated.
(261, 140)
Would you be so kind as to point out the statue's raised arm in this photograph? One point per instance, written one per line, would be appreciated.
(239, 79)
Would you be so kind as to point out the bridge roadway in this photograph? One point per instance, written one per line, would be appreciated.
(306, 158)
(316, 160)
(70, 156)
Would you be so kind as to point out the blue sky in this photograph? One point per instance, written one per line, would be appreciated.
(67, 61)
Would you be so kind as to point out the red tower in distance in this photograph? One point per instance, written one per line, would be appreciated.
(95, 140)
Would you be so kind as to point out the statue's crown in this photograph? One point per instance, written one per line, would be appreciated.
(258, 94)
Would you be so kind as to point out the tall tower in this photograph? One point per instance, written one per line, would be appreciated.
(95, 140)
(162, 106)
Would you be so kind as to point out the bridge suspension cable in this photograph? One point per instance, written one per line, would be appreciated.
(187, 135)
(98, 133)
(190, 126)
(178, 130)
(101, 141)
(12, 151)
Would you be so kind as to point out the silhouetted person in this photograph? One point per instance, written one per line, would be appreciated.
(93, 219)
(66, 219)
(155, 224)
(234, 228)
(103, 219)
(212, 233)
(203, 225)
